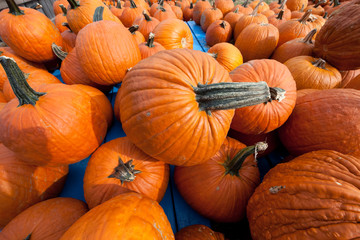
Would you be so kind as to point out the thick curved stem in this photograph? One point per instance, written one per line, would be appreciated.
(63, 9)
(309, 36)
(305, 17)
(132, 4)
(191, 5)
(233, 165)
(58, 52)
(118, 5)
(13, 8)
(150, 41)
(73, 4)
(282, 6)
(133, 29)
(22, 90)
(98, 15)
(146, 16)
(280, 15)
(125, 172)
(320, 63)
(65, 24)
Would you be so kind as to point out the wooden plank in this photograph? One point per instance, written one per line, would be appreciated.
(47, 7)
(19, 2)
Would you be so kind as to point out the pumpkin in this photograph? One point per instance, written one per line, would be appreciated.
(296, 47)
(294, 28)
(150, 47)
(60, 19)
(246, 20)
(126, 216)
(33, 78)
(262, 6)
(264, 118)
(188, 12)
(287, 12)
(198, 232)
(69, 39)
(347, 76)
(209, 16)
(147, 25)
(118, 10)
(139, 38)
(336, 6)
(178, 12)
(314, 196)
(23, 185)
(309, 72)
(56, 6)
(37, 47)
(298, 14)
(317, 21)
(173, 33)
(183, 4)
(353, 83)
(316, 9)
(162, 14)
(177, 89)
(118, 167)
(130, 14)
(157, 6)
(277, 19)
(295, 5)
(220, 187)
(81, 14)
(225, 6)
(268, 13)
(338, 40)
(219, 31)
(56, 111)
(278, 4)
(199, 8)
(257, 41)
(45, 220)
(109, 67)
(244, 8)
(325, 127)
(2, 98)
(140, 3)
(227, 55)
(233, 17)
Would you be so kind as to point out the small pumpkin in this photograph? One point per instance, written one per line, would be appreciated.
(198, 232)
(199, 8)
(227, 55)
(126, 216)
(130, 14)
(188, 12)
(173, 33)
(298, 13)
(282, 7)
(277, 19)
(48, 219)
(139, 38)
(147, 25)
(244, 8)
(163, 14)
(150, 47)
(56, 6)
(295, 5)
(118, 10)
(209, 16)
(218, 32)
(309, 72)
(316, 9)
(60, 19)
(233, 17)
(262, 6)
(225, 6)
(277, 4)
(268, 13)
(69, 39)
(177, 10)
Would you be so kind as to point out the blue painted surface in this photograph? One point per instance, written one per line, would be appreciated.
(199, 35)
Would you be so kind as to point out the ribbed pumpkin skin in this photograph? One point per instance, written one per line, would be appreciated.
(23, 185)
(69, 40)
(232, 18)
(198, 232)
(147, 51)
(68, 122)
(319, 199)
(209, 16)
(326, 119)
(246, 20)
(295, 5)
(163, 84)
(127, 216)
(2, 98)
(213, 193)
(338, 41)
(56, 7)
(354, 83)
(347, 76)
(218, 32)
(199, 8)
(293, 29)
(106, 64)
(47, 220)
(173, 33)
(98, 187)
(59, 20)
(227, 55)
(34, 45)
(145, 27)
(263, 118)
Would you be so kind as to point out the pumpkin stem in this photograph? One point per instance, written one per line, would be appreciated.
(58, 52)
(305, 17)
(213, 6)
(13, 8)
(146, 16)
(28, 237)
(150, 41)
(133, 29)
(63, 9)
(132, 4)
(254, 13)
(65, 24)
(191, 5)
(320, 63)
(280, 14)
(245, 4)
(279, 2)
(233, 165)
(73, 4)
(336, 3)
(125, 172)
(21, 88)
(221, 96)
(319, 3)
(282, 6)
(223, 24)
(309, 36)
(236, 10)
(302, 8)
(98, 15)
(214, 55)
(325, 15)
(162, 9)
(118, 5)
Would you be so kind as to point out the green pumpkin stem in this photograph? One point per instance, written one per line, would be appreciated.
(150, 41)
(98, 15)
(125, 172)
(13, 8)
(65, 24)
(302, 8)
(280, 15)
(214, 55)
(28, 237)
(146, 16)
(223, 24)
(233, 165)
(63, 9)
(118, 5)
(21, 88)
(325, 15)
(320, 63)
(319, 3)
(191, 5)
(58, 52)
(132, 4)
(221, 96)
(73, 4)
(245, 4)
(308, 38)
(133, 29)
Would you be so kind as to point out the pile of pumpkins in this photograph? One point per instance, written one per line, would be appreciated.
(176, 106)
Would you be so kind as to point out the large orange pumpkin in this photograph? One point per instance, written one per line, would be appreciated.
(23, 185)
(218, 32)
(130, 14)
(347, 76)
(263, 118)
(172, 99)
(127, 216)
(220, 187)
(47, 220)
(326, 119)
(66, 124)
(33, 35)
(314, 196)
(198, 232)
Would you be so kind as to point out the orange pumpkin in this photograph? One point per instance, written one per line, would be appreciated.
(231, 172)
(225, 6)
(130, 14)
(209, 16)
(2, 98)
(199, 8)
(244, 8)
(139, 38)
(295, 5)
(150, 47)
(268, 13)
(69, 39)
(309, 72)
(162, 14)
(145, 219)
(147, 25)
(56, 6)
(173, 33)
(233, 17)
(264, 118)
(140, 3)
(316, 9)
(262, 6)
(118, 167)
(118, 10)
(49, 219)
(198, 232)
(37, 47)
(188, 12)
(219, 31)
(347, 76)
(60, 19)
(55, 113)
(277, 19)
(227, 55)
(353, 83)
(23, 185)
(178, 12)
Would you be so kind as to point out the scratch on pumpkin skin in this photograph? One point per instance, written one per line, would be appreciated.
(276, 189)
